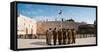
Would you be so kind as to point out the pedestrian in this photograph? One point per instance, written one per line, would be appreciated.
(73, 35)
(59, 37)
(54, 36)
(49, 36)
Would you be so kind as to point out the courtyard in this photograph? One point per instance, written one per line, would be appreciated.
(37, 43)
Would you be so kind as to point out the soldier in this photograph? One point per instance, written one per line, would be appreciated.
(64, 35)
(69, 35)
(49, 36)
(54, 36)
(73, 35)
(59, 37)
(46, 37)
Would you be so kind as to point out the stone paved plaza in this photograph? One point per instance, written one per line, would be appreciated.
(36, 43)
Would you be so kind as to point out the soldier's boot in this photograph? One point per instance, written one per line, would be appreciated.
(59, 42)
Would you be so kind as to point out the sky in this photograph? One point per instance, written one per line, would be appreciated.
(51, 12)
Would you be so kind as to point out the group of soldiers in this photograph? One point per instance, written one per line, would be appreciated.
(64, 36)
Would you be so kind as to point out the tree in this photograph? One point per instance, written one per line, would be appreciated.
(70, 20)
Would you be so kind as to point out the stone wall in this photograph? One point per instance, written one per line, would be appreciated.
(43, 26)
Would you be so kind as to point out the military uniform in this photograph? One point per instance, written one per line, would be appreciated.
(64, 36)
(73, 36)
(46, 37)
(69, 36)
(59, 37)
(54, 36)
(49, 37)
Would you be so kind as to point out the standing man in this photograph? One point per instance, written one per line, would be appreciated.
(59, 36)
(49, 36)
(46, 36)
(54, 36)
(64, 35)
(73, 35)
(69, 36)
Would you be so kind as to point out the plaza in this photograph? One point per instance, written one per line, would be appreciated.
(38, 43)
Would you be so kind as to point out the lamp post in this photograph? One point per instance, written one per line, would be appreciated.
(60, 14)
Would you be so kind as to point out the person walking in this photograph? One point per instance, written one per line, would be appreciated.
(54, 36)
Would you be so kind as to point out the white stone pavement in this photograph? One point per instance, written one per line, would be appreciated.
(37, 43)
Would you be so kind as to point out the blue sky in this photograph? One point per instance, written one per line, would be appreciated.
(50, 12)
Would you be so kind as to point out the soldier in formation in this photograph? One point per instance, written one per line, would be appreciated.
(54, 36)
(73, 35)
(49, 36)
(59, 37)
(62, 35)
